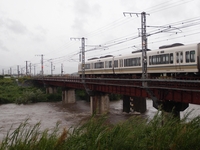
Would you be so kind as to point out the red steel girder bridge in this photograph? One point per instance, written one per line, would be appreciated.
(185, 90)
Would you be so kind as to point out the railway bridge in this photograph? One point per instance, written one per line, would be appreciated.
(169, 94)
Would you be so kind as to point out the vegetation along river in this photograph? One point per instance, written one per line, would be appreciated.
(49, 113)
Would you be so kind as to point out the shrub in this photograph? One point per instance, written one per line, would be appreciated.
(31, 97)
(135, 133)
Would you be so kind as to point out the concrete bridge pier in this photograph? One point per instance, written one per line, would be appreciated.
(139, 104)
(99, 103)
(126, 103)
(51, 90)
(68, 96)
(171, 107)
(136, 103)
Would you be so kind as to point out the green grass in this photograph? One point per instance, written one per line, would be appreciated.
(10, 92)
(97, 134)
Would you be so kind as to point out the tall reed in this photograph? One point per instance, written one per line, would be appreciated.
(135, 133)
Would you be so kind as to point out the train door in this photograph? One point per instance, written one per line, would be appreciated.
(179, 60)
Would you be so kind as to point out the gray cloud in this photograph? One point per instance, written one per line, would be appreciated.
(14, 26)
(84, 10)
(37, 38)
(2, 47)
(38, 35)
(41, 30)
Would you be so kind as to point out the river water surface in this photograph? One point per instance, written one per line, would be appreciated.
(68, 115)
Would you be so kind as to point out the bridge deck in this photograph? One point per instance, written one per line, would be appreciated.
(185, 90)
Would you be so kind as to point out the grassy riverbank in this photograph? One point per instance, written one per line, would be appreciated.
(133, 134)
(22, 91)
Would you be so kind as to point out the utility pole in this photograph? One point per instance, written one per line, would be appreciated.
(34, 70)
(30, 68)
(83, 59)
(51, 68)
(61, 69)
(26, 68)
(18, 71)
(42, 68)
(3, 72)
(144, 44)
(21, 71)
(144, 47)
(10, 71)
(83, 56)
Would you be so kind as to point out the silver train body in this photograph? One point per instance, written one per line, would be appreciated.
(181, 59)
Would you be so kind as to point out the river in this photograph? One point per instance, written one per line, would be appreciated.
(68, 115)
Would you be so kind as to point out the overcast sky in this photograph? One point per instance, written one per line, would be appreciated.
(30, 28)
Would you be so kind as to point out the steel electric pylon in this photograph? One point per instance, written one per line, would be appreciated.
(144, 44)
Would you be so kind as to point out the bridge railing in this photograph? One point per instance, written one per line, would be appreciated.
(162, 83)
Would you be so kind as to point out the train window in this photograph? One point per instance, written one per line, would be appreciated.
(95, 65)
(158, 59)
(132, 62)
(154, 60)
(87, 66)
(171, 58)
(149, 60)
(121, 63)
(135, 62)
(102, 64)
(181, 57)
(125, 63)
(192, 56)
(167, 58)
(128, 62)
(177, 57)
(116, 63)
(110, 64)
(163, 59)
(99, 65)
(139, 61)
(187, 57)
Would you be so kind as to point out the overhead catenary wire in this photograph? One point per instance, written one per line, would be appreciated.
(121, 20)
(113, 25)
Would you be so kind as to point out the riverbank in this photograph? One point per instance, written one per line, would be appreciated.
(49, 113)
(22, 91)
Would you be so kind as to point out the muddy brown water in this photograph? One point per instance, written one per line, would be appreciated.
(68, 115)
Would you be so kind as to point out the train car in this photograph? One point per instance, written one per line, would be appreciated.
(179, 60)
(171, 60)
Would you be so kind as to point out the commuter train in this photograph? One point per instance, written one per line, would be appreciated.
(170, 60)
